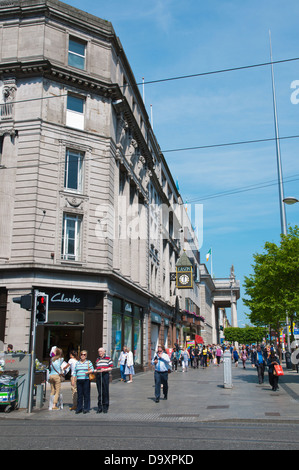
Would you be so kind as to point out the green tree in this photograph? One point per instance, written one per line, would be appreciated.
(273, 288)
(247, 335)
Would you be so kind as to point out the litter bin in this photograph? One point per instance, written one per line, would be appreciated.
(288, 360)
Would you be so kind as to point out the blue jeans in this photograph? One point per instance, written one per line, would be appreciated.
(161, 378)
(122, 371)
(83, 390)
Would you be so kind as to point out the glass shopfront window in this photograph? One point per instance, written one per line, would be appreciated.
(137, 341)
(138, 335)
(126, 330)
(116, 338)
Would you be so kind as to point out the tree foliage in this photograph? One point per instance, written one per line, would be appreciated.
(273, 288)
(247, 335)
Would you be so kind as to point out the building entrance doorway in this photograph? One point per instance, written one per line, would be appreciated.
(66, 338)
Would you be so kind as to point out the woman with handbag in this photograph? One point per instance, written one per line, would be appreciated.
(55, 376)
(273, 377)
(82, 370)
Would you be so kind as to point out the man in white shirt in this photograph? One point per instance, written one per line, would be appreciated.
(161, 361)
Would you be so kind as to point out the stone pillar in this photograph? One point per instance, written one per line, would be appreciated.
(214, 324)
(7, 199)
(234, 318)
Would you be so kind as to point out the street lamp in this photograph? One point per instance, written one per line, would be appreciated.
(279, 174)
(290, 200)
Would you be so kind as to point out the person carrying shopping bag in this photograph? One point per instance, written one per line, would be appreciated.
(273, 377)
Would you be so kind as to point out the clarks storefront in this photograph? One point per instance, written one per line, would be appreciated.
(75, 321)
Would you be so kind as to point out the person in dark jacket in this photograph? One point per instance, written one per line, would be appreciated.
(175, 358)
(273, 378)
(258, 359)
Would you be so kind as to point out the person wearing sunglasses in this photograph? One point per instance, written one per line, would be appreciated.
(82, 370)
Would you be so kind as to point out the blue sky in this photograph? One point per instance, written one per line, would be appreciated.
(173, 38)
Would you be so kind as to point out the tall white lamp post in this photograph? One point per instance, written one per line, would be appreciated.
(279, 174)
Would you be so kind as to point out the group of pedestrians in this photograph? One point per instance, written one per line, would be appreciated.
(126, 365)
(261, 356)
(200, 355)
(82, 372)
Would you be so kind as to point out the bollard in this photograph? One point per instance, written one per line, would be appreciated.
(39, 398)
(288, 360)
(227, 370)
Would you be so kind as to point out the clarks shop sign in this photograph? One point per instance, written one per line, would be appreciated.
(70, 299)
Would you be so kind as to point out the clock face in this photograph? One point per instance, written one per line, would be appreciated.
(184, 279)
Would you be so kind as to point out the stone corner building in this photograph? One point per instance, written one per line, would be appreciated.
(89, 211)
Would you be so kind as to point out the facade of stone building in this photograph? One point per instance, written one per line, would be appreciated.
(89, 211)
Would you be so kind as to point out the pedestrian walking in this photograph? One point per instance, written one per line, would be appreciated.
(129, 369)
(195, 357)
(184, 359)
(72, 363)
(174, 359)
(161, 361)
(204, 359)
(103, 368)
(218, 355)
(190, 351)
(244, 357)
(273, 360)
(210, 355)
(122, 363)
(235, 357)
(55, 375)
(259, 361)
(82, 370)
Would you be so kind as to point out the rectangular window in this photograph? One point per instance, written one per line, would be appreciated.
(76, 56)
(73, 170)
(137, 341)
(128, 321)
(116, 337)
(71, 237)
(75, 112)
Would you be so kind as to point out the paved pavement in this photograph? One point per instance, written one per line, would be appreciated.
(194, 396)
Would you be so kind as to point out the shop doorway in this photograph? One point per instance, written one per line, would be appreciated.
(67, 338)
